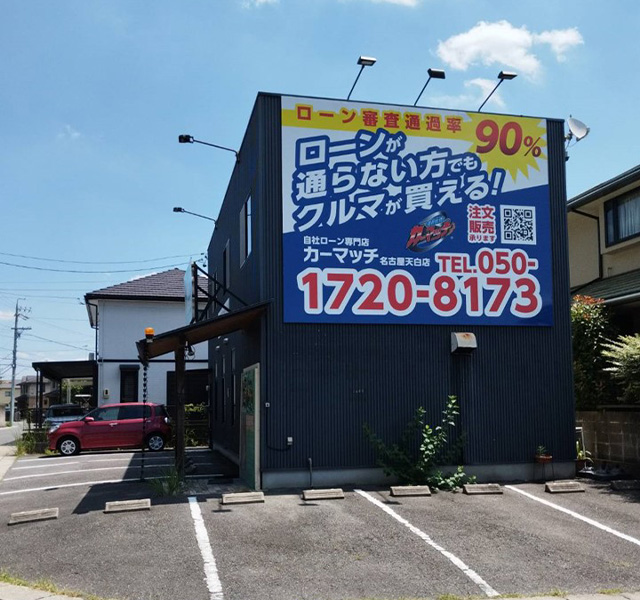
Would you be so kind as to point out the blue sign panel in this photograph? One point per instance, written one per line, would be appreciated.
(396, 215)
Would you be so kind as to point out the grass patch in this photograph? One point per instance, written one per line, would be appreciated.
(611, 592)
(557, 593)
(45, 585)
(31, 442)
(169, 484)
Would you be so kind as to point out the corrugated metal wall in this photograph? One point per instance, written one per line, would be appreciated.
(323, 382)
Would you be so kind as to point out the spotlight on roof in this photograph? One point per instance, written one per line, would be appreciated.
(185, 138)
(433, 74)
(502, 76)
(366, 61)
(363, 61)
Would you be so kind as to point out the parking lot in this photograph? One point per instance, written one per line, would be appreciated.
(369, 545)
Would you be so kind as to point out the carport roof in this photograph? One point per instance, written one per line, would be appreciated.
(68, 369)
(170, 341)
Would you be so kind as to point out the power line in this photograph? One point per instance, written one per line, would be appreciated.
(110, 262)
(38, 320)
(59, 319)
(173, 266)
(31, 335)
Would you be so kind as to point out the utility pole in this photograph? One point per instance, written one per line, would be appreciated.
(20, 312)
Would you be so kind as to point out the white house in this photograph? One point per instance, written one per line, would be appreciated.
(120, 313)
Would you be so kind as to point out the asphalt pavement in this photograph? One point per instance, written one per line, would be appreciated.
(368, 545)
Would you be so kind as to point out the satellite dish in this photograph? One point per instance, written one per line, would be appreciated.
(577, 129)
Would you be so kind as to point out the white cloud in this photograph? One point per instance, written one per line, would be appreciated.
(69, 133)
(503, 44)
(560, 40)
(411, 3)
(485, 86)
(252, 3)
(476, 92)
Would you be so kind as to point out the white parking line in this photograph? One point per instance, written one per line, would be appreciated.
(576, 515)
(91, 457)
(471, 574)
(210, 569)
(71, 462)
(81, 471)
(48, 488)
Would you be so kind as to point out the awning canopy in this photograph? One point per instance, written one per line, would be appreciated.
(69, 369)
(170, 341)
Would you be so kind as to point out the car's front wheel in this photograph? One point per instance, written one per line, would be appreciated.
(155, 442)
(68, 446)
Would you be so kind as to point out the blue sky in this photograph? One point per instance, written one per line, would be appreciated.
(95, 93)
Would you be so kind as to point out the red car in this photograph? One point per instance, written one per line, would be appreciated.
(113, 426)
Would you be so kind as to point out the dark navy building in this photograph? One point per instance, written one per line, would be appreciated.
(397, 255)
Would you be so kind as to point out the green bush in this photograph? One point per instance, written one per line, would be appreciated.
(31, 442)
(623, 356)
(590, 328)
(195, 411)
(169, 484)
(399, 459)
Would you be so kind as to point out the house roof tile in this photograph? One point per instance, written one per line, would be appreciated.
(167, 285)
(612, 289)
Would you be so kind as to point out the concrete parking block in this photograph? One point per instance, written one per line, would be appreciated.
(242, 498)
(563, 487)
(631, 595)
(28, 516)
(328, 494)
(410, 490)
(482, 488)
(127, 505)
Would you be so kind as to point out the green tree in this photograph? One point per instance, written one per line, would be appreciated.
(623, 356)
(400, 460)
(591, 329)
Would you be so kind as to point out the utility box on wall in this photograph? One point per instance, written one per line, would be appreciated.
(387, 238)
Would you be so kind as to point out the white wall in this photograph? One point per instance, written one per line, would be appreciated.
(583, 249)
(120, 324)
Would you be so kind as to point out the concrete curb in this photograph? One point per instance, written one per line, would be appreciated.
(7, 458)
(20, 592)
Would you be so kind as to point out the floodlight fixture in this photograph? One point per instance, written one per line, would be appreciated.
(363, 61)
(433, 74)
(502, 76)
(179, 209)
(366, 61)
(185, 138)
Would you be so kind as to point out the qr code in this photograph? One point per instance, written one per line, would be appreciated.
(518, 224)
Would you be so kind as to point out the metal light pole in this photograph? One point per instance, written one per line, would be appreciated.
(501, 77)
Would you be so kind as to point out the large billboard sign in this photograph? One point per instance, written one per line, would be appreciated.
(420, 216)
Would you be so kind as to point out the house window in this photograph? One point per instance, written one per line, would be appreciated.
(129, 383)
(245, 231)
(622, 218)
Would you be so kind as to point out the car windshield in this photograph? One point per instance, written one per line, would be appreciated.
(64, 411)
